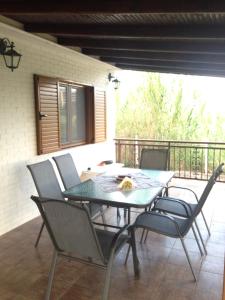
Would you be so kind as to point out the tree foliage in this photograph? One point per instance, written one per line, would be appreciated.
(157, 110)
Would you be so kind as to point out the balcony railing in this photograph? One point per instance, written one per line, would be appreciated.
(188, 159)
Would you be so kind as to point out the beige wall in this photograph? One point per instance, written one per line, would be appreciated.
(17, 118)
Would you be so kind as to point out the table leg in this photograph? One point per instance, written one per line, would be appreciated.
(128, 217)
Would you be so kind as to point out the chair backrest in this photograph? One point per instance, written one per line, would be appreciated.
(67, 170)
(156, 159)
(45, 180)
(70, 228)
(212, 180)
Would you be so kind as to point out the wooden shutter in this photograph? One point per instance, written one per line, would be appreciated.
(47, 114)
(100, 115)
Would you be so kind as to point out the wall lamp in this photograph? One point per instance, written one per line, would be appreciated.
(11, 57)
(114, 80)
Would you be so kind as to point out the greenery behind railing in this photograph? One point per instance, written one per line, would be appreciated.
(188, 159)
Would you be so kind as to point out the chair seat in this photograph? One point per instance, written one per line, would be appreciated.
(166, 204)
(161, 224)
(105, 239)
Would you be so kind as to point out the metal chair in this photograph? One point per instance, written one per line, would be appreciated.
(74, 236)
(70, 178)
(156, 159)
(166, 225)
(46, 184)
(184, 209)
(177, 226)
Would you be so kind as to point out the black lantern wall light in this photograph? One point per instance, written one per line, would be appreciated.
(11, 57)
(114, 80)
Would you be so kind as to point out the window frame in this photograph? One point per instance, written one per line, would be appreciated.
(92, 133)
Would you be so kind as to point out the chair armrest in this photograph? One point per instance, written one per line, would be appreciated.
(170, 218)
(183, 188)
(179, 201)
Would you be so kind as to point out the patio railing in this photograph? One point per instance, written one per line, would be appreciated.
(188, 159)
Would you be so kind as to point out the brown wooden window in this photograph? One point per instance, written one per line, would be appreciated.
(68, 114)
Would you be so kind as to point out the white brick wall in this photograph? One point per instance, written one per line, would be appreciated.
(17, 118)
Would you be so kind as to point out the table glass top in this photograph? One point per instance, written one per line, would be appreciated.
(91, 191)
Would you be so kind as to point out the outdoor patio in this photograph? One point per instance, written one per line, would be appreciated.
(165, 273)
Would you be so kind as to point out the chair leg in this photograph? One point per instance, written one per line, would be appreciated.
(103, 217)
(51, 275)
(127, 255)
(118, 215)
(146, 236)
(199, 233)
(124, 213)
(39, 235)
(206, 225)
(105, 292)
(197, 241)
(142, 236)
(143, 230)
(134, 252)
(188, 258)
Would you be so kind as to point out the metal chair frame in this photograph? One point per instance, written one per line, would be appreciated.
(178, 234)
(69, 176)
(189, 217)
(105, 263)
(39, 169)
(189, 211)
(158, 158)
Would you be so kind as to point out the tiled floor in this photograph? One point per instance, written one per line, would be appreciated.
(165, 274)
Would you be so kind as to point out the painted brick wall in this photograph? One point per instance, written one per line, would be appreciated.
(17, 118)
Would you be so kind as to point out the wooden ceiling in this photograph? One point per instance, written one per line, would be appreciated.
(184, 37)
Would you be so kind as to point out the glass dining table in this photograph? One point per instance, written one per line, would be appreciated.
(150, 185)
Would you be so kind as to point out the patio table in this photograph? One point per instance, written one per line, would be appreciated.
(91, 191)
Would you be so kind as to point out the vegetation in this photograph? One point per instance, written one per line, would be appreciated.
(163, 107)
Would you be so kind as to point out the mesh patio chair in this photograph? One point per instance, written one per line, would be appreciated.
(74, 237)
(184, 209)
(166, 225)
(156, 159)
(177, 226)
(46, 184)
(70, 178)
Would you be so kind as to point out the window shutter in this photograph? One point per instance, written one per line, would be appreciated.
(100, 115)
(47, 114)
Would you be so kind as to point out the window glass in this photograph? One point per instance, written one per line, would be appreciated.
(72, 114)
(77, 114)
(63, 105)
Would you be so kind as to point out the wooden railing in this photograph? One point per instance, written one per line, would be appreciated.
(188, 159)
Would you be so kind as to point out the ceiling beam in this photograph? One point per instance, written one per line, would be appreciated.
(17, 7)
(168, 70)
(180, 46)
(163, 56)
(131, 31)
(165, 64)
